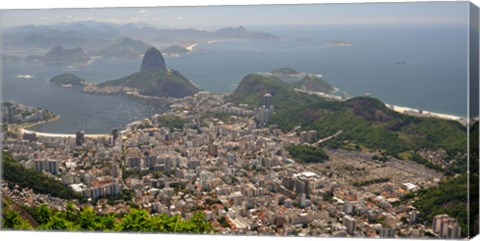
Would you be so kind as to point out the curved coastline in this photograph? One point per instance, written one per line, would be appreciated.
(23, 129)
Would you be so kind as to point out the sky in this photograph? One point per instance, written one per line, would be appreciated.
(212, 17)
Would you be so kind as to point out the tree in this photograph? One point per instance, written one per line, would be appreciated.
(12, 220)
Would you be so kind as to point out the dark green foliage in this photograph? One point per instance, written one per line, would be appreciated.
(137, 220)
(370, 182)
(11, 218)
(420, 160)
(474, 178)
(15, 173)
(212, 201)
(68, 79)
(367, 122)
(170, 121)
(448, 197)
(307, 154)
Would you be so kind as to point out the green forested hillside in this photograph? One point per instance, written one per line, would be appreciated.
(367, 122)
(313, 83)
(15, 173)
(448, 197)
(253, 87)
(164, 83)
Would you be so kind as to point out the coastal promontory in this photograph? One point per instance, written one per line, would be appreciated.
(153, 80)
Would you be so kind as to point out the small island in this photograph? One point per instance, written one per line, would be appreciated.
(68, 80)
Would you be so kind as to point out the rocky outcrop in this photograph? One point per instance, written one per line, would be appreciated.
(153, 60)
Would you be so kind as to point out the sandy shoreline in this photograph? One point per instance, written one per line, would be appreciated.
(424, 113)
(190, 47)
(45, 134)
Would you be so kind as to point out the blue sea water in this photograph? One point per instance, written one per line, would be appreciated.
(433, 78)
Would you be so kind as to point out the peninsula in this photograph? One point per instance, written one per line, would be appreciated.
(153, 80)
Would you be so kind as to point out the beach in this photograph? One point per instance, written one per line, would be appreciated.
(23, 129)
(424, 113)
(190, 47)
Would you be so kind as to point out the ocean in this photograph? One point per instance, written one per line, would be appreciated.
(421, 66)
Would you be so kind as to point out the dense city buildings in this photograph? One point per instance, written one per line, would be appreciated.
(236, 169)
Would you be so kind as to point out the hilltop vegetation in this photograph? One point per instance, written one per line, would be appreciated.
(313, 83)
(307, 154)
(253, 86)
(368, 122)
(450, 197)
(170, 121)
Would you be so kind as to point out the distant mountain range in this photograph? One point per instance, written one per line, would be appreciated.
(91, 35)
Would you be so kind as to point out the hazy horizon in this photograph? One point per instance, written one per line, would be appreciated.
(210, 18)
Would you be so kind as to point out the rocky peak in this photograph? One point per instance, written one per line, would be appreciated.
(153, 60)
